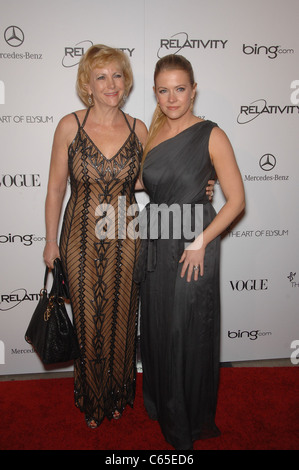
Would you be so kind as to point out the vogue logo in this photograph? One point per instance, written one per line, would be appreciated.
(180, 41)
(19, 181)
(249, 285)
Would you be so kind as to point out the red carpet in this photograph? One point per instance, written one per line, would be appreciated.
(257, 410)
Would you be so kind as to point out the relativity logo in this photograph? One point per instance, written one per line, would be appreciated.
(14, 298)
(73, 54)
(260, 107)
(179, 41)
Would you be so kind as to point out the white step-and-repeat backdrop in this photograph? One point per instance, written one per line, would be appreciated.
(245, 58)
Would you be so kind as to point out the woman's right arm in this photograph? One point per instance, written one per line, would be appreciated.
(58, 176)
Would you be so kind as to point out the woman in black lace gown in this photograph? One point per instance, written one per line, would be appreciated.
(180, 283)
(100, 149)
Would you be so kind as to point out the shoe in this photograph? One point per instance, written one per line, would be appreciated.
(91, 423)
(116, 414)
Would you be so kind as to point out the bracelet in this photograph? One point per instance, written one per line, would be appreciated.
(53, 240)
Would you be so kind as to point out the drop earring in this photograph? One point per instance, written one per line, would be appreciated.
(90, 100)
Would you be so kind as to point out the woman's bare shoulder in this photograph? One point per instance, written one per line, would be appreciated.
(140, 128)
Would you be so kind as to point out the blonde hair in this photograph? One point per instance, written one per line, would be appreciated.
(169, 62)
(97, 56)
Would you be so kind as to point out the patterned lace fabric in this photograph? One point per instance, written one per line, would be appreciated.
(104, 297)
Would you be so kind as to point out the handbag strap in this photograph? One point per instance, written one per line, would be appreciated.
(55, 289)
(59, 287)
(54, 276)
(46, 277)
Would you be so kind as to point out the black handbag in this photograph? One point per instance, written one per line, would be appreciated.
(50, 330)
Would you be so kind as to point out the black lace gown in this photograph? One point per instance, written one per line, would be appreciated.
(104, 297)
(180, 320)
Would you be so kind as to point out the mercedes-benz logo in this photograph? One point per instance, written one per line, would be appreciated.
(267, 162)
(14, 36)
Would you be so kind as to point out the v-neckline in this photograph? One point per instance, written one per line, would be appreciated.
(93, 143)
(101, 153)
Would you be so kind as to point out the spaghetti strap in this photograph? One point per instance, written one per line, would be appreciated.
(86, 115)
(77, 119)
(85, 118)
(131, 129)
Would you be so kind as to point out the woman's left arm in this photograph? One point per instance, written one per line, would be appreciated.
(228, 173)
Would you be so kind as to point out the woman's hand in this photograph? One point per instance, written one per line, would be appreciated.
(210, 189)
(51, 252)
(193, 260)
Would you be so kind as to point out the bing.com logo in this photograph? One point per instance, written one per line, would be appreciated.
(269, 51)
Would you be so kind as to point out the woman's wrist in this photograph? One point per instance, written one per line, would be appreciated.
(198, 242)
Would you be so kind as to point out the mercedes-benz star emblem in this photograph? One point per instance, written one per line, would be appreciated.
(267, 162)
(14, 36)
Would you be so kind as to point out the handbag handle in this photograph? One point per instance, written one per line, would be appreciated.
(45, 278)
(54, 275)
(59, 287)
(44, 291)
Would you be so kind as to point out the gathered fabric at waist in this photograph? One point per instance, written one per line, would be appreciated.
(168, 222)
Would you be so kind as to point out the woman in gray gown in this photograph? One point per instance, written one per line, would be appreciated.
(179, 276)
